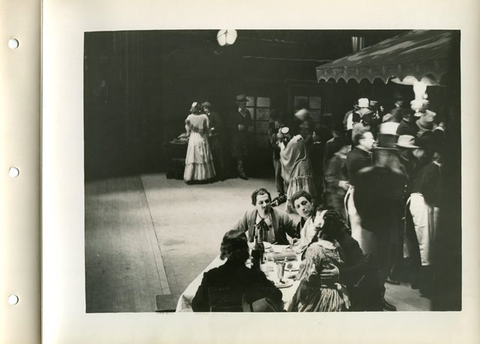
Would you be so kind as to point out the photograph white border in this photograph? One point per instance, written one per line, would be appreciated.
(64, 317)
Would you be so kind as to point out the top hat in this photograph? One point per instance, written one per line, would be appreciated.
(387, 141)
(389, 128)
(406, 141)
(363, 103)
(241, 98)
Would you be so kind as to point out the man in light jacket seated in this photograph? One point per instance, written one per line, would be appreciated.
(275, 223)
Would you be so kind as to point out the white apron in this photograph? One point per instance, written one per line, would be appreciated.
(366, 239)
(425, 221)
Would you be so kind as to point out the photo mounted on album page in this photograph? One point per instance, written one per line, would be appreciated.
(203, 162)
(20, 217)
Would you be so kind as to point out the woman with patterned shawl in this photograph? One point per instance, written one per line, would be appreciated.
(315, 294)
(296, 168)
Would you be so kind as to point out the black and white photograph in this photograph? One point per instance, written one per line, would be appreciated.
(272, 170)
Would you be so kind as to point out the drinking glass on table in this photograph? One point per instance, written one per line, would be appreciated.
(281, 270)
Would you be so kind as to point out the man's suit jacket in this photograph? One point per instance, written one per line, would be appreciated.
(378, 197)
(222, 288)
(356, 160)
(282, 224)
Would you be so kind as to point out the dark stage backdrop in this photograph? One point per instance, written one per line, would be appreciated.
(138, 86)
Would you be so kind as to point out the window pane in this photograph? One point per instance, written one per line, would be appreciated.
(263, 114)
(315, 102)
(252, 112)
(261, 127)
(300, 101)
(251, 101)
(263, 102)
(315, 115)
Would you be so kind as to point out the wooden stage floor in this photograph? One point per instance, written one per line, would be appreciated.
(147, 237)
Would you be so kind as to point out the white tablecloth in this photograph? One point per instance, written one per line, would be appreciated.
(185, 301)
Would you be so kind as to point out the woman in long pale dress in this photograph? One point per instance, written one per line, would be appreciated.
(199, 160)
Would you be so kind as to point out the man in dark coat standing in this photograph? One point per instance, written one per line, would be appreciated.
(407, 125)
(379, 192)
(360, 156)
(274, 124)
(423, 216)
(240, 129)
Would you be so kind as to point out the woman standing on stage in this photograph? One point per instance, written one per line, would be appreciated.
(198, 162)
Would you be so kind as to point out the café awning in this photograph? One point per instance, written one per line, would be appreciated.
(419, 55)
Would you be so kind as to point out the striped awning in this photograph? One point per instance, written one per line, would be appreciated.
(419, 55)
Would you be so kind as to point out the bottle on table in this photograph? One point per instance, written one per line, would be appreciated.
(258, 251)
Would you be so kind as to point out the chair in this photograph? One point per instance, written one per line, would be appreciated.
(250, 303)
(224, 300)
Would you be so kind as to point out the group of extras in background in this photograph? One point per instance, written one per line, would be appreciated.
(367, 190)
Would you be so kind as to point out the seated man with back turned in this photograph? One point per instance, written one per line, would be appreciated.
(224, 288)
(276, 224)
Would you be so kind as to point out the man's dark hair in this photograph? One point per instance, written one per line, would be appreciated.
(334, 227)
(407, 114)
(357, 137)
(261, 191)
(234, 246)
(298, 194)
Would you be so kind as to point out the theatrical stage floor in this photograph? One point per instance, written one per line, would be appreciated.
(147, 237)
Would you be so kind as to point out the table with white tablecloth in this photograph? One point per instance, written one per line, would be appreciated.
(185, 301)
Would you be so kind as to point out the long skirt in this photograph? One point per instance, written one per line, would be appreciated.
(301, 179)
(199, 161)
(321, 300)
(366, 239)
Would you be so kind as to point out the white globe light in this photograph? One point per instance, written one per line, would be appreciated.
(419, 89)
(226, 37)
